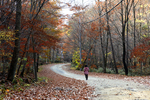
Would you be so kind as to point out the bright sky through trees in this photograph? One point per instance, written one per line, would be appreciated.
(77, 2)
(66, 10)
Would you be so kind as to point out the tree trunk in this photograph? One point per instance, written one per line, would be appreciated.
(34, 63)
(37, 63)
(80, 28)
(124, 22)
(134, 23)
(53, 58)
(23, 54)
(101, 40)
(107, 18)
(124, 51)
(127, 33)
(134, 27)
(123, 42)
(24, 65)
(12, 69)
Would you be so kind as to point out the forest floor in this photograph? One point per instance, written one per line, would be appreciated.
(71, 85)
(53, 87)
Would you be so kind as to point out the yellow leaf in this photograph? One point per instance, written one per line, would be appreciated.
(140, 21)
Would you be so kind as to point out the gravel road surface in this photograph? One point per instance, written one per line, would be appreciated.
(110, 89)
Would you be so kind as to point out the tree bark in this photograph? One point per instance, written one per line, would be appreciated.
(113, 53)
(12, 69)
(124, 22)
(37, 63)
(134, 23)
(101, 40)
(80, 28)
(34, 63)
(123, 42)
(127, 53)
(24, 65)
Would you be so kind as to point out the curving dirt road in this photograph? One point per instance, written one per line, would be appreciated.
(109, 89)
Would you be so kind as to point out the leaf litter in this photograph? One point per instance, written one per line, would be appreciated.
(57, 87)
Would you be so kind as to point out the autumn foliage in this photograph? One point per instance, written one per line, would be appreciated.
(141, 51)
(39, 22)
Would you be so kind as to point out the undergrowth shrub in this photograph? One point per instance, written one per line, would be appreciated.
(92, 70)
(99, 70)
(108, 70)
(121, 71)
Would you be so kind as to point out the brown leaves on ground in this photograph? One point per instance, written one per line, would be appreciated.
(58, 87)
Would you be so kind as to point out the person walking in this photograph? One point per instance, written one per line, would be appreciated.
(86, 71)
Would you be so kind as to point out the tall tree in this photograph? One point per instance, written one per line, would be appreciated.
(101, 40)
(108, 32)
(124, 18)
(12, 69)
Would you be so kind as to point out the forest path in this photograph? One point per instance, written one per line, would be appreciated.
(109, 89)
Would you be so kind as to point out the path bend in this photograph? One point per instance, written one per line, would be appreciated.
(109, 89)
